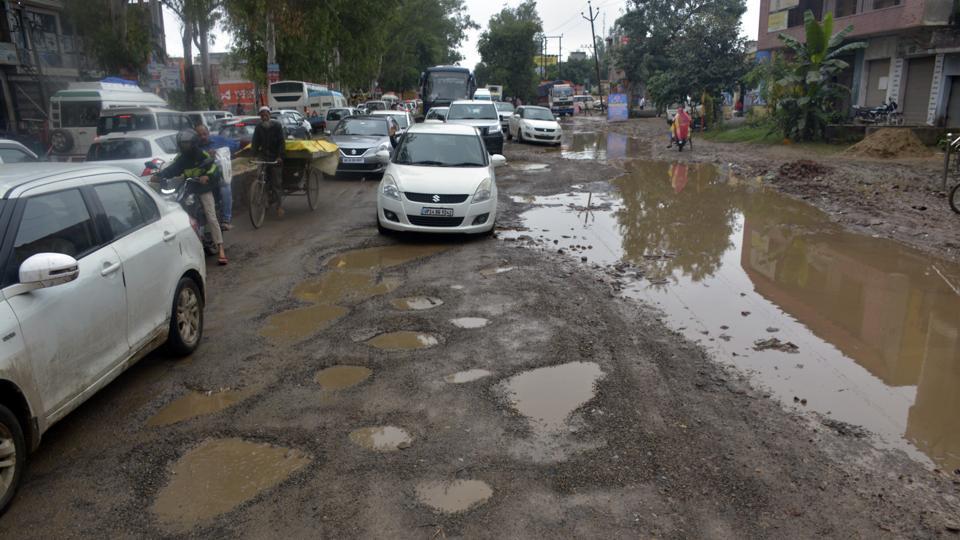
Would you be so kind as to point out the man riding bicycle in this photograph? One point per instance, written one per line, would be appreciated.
(193, 162)
(268, 145)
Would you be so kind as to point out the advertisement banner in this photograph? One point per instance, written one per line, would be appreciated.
(780, 5)
(617, 109)
(273, 72)
(777, 21)
(237, 92)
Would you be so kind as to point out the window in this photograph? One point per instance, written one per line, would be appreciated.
(435, 150)
(15, 155)
(148, 208)
(845, 8)
(54, 223)
(172, 121)
(168, 144)
(79, 113)
(795, 15)
(194, 119)
(123, 123)
(121, 208)
(110, 150)
(881, 4)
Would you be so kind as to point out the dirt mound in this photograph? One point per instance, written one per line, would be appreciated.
(803, 169)
(889, 143)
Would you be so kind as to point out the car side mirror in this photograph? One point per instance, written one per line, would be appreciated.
(44, 270)
(498, 160)
(383, 157)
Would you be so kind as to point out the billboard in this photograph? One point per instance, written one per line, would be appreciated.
(777, 21)
(617, 108)
(237, 92)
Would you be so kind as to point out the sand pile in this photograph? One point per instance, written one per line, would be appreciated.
(889, 143)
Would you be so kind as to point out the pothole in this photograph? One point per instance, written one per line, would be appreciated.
(403, 340)
(381, 438)
(301, 323)
(416, 303)
(548, 395)
(338, 286)
(340, 377)
(470, 322)
(530, 167)
(488, 272)
(469, 375)
(196, 404)
(452, 496)
(219, 475)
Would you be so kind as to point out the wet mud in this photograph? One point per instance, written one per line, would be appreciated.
(341, 377)
(403, 341)
(381, 438)
(196, 404)
(416, 303)
(470, 323)
(470, 375)
(301, 323)
(453, 496)
(548, 395)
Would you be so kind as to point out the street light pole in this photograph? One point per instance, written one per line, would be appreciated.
(596, 57)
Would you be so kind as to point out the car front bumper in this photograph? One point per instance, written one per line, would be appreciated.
(542, 136)
(369, 165)
(468, 217)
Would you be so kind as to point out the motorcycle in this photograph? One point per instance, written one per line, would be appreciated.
(180, 191)
(884, 114)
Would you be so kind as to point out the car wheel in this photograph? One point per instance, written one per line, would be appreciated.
(381, 229)
(186, 318)
(13, 456)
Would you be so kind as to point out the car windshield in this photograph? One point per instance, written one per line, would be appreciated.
(472, 111)
(123, 123)
(447, 85)
(438, 112)
(235, 131)
(401, 119)
(538, 114)
(503, 106)
(361, 126)
(119, 149)
(376, 106)
(441, 150)
(337, 114)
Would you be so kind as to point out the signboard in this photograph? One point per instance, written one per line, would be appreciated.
(780, 5)
(617, 109)
(273, 72)
(237, 92)
(777, 21)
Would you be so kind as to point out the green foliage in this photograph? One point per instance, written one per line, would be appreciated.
(803, 96)
(178, 100)
(122, 46)
(507, 50)
(576, 71)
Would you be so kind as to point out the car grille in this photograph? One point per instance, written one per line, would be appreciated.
(543, 130)
(435, 221)
(429, 198)
(544, 137)
(348, 152)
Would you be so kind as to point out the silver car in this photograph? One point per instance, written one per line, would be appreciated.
(360, 138)
(482, 115)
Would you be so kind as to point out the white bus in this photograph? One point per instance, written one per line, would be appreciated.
(300, 95)
(75, 113)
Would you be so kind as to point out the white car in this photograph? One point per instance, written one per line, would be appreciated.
(440, 179)
(300, 117)
(535, 124)
(436, 115)
(99, 272)
(141, 152)
(403, 118)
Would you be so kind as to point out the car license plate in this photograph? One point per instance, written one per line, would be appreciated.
(352, 160)
(438, 212)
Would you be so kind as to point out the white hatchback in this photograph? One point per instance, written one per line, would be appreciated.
(97, 271)
(534, 124)
(141, 152)
(439, 180)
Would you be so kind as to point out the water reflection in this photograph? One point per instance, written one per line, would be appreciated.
(601, 146)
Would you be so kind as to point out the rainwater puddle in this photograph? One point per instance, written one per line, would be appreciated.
(340, 377)
(197, 404)
(301, 323)
(402, 341)
(600, 146)
(877, 325)
(454, 495)
(490, 272)
(381, 439)
(548, 395)
(462, 377)
(219, 475)
(470, 322)
(530, 167)
(416, 303)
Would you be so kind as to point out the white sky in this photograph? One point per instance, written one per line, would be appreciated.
(560, 17)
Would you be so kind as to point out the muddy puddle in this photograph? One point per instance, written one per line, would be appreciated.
(301, 323)
(470, 375)
(197, 404)
(490, 272)
(600, 146)
(381, 438)
(340, 377)
(548, 395)
(452, 496)
(470, 323)
(530, 167)
(403, 341)
(416, 303)
(875, 325)
(218, 476)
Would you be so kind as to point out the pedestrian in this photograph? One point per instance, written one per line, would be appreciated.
(643, 102)
(220, 148)
(268, 145)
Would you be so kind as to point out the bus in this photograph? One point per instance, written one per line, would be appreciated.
(300, 95)
(442, 85)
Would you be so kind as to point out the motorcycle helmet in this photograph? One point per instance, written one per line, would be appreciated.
(188, 141)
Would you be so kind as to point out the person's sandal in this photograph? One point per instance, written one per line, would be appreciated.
(222, 261)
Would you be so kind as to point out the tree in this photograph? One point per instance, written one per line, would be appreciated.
(122, 45)
(807, 96)
(508, 47)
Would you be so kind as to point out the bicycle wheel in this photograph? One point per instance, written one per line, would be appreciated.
(313, 188)
(258, 202)
(955, 198)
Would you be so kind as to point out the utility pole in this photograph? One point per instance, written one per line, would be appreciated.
(560, 59)
(596, 57)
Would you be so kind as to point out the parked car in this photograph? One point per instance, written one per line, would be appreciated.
(334, 116)
(587, 103)
(141, 153)
(376, 105)
(360, 138)
(440, 179)
(128, 119)
(99, 271)
(212, 119)
(403, 118)
(240, 130)
(12, 151)
(299, 116)
(292, 125)
(437, 115)
(482, 115)
(530, 123)
(505, 110)
(482, 94)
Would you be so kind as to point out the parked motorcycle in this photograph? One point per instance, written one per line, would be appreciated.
(884, 114)
(180, 190)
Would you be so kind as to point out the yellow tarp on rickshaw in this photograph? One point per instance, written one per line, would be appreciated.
(312, 146)
(323, 153)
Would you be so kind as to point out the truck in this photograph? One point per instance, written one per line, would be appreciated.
(557, 95)
(496, 91)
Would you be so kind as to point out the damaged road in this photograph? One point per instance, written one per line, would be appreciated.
(356, 386)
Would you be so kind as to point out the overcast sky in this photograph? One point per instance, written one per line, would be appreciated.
(560, 17)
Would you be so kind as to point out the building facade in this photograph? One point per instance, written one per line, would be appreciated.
(912, 55)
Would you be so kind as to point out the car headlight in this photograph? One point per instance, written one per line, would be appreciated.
(484, 190)
(389, 188)
(382, 147)
(494, 129)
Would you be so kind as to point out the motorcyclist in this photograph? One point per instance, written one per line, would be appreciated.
(221, 148)
(194, 162)
(680, 127)
(268, 145)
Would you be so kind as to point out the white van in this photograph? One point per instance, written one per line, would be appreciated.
(75, 113)
(127, 119)
(390, 100)
(482, 94)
